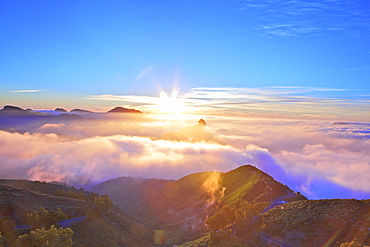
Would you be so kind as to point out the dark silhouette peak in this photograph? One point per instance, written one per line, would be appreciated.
(193, 133)
(202, 122)
(201, 126)
(119, 109)
(60, 110)
(12, 108)
(81, 111)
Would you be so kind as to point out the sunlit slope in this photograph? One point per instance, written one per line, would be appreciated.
(182, 206)
(251, 184)
(113, 225)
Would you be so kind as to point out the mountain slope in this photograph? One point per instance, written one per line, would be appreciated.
(319, 222)
(113, 228)
(182, 206)
(177, 210)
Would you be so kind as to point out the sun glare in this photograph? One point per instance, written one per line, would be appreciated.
(169, 104)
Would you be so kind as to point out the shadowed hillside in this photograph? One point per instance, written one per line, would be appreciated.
(319, 222)
(91, 227)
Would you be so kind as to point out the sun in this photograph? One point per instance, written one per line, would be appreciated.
(169, 104)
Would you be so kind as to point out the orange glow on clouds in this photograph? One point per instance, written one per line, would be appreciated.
(302, 154)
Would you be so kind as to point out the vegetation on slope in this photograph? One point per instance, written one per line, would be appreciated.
(319, 222)
(98, 223)
(42, 237)
(243, 207)
(181, 207)
(306, 223)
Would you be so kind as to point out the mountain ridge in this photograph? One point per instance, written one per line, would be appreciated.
(114, 225)
(120, 109)
(183, 205)
(187, 211)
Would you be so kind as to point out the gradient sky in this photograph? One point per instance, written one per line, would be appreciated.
(71, 53)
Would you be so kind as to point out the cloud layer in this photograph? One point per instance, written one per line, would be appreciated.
(320, 159)
(305, 155)
(92, 160)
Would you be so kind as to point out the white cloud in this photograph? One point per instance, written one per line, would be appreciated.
(305, 155)
(43, 157)
(27, 91)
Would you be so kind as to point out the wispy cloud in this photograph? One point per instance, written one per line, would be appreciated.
(135, 99)
(299, 17)
(283, 101)
(121, 78)
(27, 91)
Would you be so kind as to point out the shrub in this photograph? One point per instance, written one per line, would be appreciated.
(45, 218)
(47, 238)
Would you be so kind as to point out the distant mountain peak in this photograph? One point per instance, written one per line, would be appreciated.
(12, 108)
(81, 111)
(120, 109)
(60, 110)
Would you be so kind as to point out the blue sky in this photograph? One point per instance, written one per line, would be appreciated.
(73, 51)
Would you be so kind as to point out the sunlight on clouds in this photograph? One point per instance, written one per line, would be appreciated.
(343, 168)
(302, 154)
(278, 102)
(52, 127)
(306, 155)
(100, 158)
(163, 104)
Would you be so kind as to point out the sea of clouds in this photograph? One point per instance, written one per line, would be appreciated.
(319, 159)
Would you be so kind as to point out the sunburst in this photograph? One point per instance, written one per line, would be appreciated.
(170, 104)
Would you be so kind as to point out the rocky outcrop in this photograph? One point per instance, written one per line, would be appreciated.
(194, 133)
